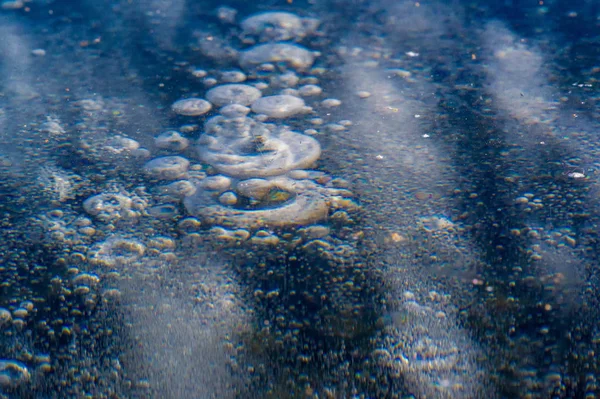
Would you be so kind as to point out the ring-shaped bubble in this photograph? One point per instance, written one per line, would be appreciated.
(259, 156)
(279, 106)
(191, 107)
(233, 94)
(109, 206)
(171, 140)
(273, 26)
(116, 251)
(292, 55)
(167, 168)
(308, 206)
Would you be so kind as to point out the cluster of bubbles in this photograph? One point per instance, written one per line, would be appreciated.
(246, 185)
